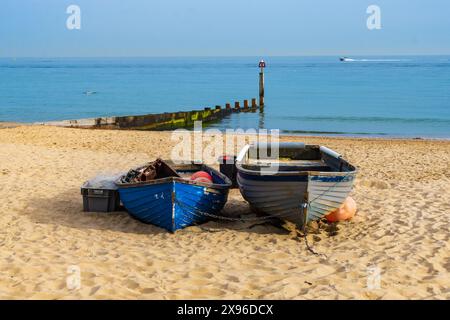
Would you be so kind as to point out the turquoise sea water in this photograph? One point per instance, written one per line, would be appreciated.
(371, 96)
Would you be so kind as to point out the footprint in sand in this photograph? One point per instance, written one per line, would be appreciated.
(197, 282)
(290, 291)
(131, 284)
(148, 290)
(201, 274)
(94, 290)
(376, 184)
(232, 278)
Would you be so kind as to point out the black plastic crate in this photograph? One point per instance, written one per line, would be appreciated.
(228, 167)
(100, 200)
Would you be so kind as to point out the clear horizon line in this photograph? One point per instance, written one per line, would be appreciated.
(224, 56)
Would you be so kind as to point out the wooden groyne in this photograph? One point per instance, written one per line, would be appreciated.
(160, 121)
(168, 120)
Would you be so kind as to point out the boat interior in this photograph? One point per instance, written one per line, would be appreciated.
(295, 157)
(187, 169)
(161, 169)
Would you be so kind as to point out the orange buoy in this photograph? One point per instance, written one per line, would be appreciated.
(346, 211)
(202, 176)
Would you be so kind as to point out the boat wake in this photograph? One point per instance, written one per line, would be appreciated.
(344, 59)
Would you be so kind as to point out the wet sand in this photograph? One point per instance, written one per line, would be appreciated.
(4, 125)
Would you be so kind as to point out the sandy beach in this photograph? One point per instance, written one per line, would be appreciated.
(401, 229)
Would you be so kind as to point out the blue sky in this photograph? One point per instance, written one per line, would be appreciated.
(37, 28)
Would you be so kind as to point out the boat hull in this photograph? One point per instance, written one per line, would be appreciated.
(284, 196)
(273, 196)
(301, 183)
(326, 193)
(175, 203)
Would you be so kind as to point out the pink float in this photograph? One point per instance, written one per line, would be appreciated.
(202, 176)
(345, 212)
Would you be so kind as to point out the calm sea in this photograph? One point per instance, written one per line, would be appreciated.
(371, 96)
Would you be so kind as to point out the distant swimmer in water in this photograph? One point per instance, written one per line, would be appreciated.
(89, 92)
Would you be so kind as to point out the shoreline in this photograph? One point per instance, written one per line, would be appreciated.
(8, 124)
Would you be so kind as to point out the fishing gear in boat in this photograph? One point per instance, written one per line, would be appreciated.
(309, 183)
(154, 170)
(159, 192)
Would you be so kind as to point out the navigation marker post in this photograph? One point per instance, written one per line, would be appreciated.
(262, 65)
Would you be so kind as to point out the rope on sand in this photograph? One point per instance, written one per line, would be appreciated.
(303, 206)
(233, 229)
(310, 249)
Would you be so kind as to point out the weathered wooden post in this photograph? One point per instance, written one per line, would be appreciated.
(245, 104)
(228, 106)
(262, 65)
(237, 105)
(254, 103)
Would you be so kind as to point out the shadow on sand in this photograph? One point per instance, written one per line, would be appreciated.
(66, 209)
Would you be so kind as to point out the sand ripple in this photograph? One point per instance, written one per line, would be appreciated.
(401, 229)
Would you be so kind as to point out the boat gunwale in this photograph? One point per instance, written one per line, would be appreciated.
(240, 168)
(225, 185)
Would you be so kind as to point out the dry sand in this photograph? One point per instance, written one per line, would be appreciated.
(401, 228)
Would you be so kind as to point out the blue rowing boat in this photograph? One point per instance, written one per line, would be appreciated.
(294, 181)
(169, 199)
